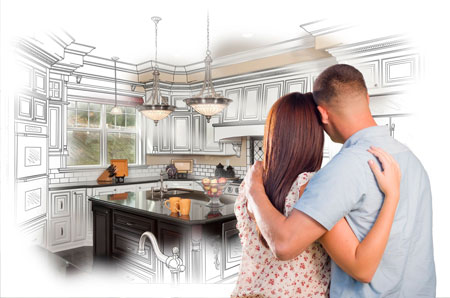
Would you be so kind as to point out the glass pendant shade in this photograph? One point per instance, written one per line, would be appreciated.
(156, 107)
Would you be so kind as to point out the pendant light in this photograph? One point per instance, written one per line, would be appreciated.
(208, 102)
(115, 110)
(156, 107)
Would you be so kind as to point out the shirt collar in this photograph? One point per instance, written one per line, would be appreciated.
(369, 132)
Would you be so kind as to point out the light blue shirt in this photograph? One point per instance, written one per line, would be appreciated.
(346, 187)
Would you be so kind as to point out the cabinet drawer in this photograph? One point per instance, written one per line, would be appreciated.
(133, 223)
(59, 231)
(126, 244)
(133, 274)
(60, 204)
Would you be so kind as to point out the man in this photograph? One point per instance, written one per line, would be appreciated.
(346, 187)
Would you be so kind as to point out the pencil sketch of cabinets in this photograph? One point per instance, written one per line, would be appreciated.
(30, 108)
(31, 199)
(31, 150)
(68, 219)
(33, 79)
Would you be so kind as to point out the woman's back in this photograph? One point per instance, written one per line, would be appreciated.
(263, 275)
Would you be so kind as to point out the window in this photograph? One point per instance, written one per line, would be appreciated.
(121, 134)
(95, 136)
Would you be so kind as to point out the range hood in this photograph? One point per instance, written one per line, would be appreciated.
(232, 133)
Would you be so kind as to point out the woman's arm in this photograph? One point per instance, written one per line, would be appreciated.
(360, 260)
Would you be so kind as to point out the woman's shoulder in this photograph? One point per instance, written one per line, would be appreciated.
(303, 178)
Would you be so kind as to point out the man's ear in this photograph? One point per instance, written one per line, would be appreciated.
(324, 114)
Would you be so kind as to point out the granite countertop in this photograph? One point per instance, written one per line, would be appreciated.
(128, 181)
(143, 203)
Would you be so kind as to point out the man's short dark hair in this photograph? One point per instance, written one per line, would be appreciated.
(336, 80)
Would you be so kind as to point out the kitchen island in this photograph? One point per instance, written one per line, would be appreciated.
(207, 239)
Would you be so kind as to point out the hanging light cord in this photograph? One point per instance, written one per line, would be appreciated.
(207, 34)
(115, 83)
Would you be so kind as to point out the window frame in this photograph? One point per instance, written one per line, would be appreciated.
(104, 130)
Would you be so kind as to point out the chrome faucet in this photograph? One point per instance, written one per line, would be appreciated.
(174, 262)
(162, 189)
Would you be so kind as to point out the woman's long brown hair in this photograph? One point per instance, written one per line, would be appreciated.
(293, 144)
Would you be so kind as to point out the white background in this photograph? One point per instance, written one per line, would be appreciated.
(427, 21)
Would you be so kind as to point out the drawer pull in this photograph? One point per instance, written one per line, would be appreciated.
(61, 205)
(129, 223)
(62, 231)
(130, 249)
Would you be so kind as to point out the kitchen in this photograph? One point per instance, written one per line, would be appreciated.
(67, 132)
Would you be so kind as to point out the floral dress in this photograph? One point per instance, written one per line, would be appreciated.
(263, 275)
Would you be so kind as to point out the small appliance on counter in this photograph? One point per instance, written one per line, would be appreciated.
(230, 172)
(171, 171)
(220, 171)
(183, 167)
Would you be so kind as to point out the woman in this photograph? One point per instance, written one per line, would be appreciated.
(293, 146)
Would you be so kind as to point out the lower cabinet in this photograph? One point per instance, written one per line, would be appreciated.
(102, 231)
(68, 220)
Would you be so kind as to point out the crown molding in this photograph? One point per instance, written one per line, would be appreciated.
(373, 47)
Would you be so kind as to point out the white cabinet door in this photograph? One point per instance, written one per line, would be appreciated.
(371, 73)
(231, 113)
(79, 216)
(165, 134)
(40, 82)
(272, 91)
(197, 133)
(24, 107)
(251, 103)
(181, 133)
(400, 70)
(296, 85)
(40, 110)
(209, 144)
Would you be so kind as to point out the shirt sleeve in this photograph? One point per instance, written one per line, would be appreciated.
(335, 190)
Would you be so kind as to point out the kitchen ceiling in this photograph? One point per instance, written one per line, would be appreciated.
(124, 28)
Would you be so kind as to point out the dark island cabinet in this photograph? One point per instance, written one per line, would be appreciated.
(102, 231)
(210, 250)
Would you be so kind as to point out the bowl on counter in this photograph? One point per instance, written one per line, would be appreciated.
(213, 188)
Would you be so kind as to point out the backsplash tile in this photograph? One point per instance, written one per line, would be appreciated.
(203, 170)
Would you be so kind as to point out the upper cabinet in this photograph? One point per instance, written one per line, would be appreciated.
(231, 113)
(251, 102)
(181, 134)
(296, 85)
(31, 108)
(271, 92)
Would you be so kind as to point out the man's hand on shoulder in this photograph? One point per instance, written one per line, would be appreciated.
(253, 184)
